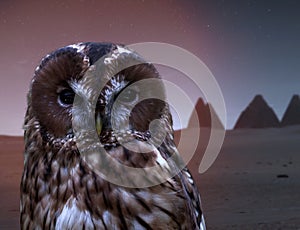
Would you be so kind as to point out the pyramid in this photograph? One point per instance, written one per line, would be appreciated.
(201, 117)
(258, 114)
(204, 112)
(292, 113)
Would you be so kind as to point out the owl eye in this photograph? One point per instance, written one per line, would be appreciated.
(66, 97)
(128, 95)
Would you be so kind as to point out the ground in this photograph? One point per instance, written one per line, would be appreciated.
(253, 184)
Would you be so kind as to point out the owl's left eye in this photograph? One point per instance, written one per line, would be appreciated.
(66, 97)
(128, 95)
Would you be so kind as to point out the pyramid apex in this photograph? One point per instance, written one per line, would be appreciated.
(258, 114)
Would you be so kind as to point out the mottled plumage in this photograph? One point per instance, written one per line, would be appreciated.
(60, 190)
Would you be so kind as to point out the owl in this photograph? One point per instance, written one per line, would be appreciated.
(94, 130)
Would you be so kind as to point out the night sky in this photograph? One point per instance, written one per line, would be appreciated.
(251, 47)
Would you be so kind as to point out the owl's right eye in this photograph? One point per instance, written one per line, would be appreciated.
(66, 97)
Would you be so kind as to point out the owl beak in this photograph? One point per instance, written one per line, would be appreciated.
(98, 124)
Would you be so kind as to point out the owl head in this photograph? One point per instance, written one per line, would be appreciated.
(124, 94)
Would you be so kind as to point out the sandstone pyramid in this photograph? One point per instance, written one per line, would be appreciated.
(205, 112)
(258, 114)
(201, 117)
(292, 113)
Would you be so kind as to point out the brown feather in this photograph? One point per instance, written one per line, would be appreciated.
(60, 190)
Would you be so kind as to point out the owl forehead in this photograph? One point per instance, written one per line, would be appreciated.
(80, 47)
(113, 86)
(64, 60)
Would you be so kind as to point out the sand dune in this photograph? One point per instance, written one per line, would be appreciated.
(253, 184)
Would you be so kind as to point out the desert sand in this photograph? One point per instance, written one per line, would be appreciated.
(253, 184)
